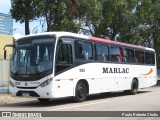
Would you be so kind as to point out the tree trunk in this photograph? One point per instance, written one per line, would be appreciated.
(27, 16)
(27, 31)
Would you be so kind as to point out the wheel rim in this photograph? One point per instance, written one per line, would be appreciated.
(81, 92)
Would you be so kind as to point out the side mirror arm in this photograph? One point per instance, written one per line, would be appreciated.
(5, 51)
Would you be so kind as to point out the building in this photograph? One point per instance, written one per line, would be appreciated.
(6, 24)
(6, 32)
(6, 37)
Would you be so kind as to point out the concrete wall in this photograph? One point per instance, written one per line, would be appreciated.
(5, 64)
(4, 75)
(5, 39)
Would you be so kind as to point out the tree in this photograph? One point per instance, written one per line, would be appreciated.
(23, 11)
(148, 13)
(106, 18)
(92, 17)
(133, 21)
(60, 15)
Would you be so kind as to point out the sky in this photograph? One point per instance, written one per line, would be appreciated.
(19, 29)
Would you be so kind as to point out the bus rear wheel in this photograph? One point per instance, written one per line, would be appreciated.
(134, 87)
(43, 100)
(80, 92)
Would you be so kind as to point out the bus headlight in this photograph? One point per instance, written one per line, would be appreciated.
(11, 84)
(45, 83)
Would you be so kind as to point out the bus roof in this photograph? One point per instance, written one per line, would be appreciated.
(60, 34)
(116, 43)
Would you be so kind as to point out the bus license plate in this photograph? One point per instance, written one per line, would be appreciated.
(25, 94)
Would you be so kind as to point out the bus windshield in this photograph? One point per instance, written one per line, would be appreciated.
(32, 57)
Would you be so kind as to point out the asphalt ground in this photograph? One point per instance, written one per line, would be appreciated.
(147, 99)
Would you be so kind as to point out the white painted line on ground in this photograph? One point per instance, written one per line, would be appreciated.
(75, 106)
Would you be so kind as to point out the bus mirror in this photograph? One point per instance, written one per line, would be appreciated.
(5, 51)
(5, 54)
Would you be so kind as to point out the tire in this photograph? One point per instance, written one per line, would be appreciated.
(43, 100)
(80, 92)
(134, 87)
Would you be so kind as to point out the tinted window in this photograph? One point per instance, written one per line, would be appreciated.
(128, 55)
(64, 54)
(153, 58)
(115, 54)
(64, 58)
(101, 52)
(84, 50)
(125, 55)
(148, 58)
(139, 57)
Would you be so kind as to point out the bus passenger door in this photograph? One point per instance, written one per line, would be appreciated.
(63, 65)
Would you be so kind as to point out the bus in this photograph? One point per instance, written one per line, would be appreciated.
(63, 64)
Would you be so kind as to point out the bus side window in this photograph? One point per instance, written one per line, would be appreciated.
(148, 57)
(115, 54)
(80, 51)
(139, 57)
(153, 58)
(125, 55)
(65, 54)
(84, 50)
(130, 54)
(142, 61)
(121, 55)
(102, 52)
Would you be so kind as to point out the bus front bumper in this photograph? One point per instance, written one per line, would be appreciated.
(39, 92)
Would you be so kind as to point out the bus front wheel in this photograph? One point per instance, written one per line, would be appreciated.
(80, 92)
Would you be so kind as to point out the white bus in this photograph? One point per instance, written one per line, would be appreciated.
(62, 64)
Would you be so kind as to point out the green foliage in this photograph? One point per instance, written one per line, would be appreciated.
(133, 21)
(23, 11)
(60, 15)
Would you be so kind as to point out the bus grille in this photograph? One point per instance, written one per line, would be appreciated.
(27, 87)
(31, 93)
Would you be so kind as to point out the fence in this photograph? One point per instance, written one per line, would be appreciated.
(4, 75)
